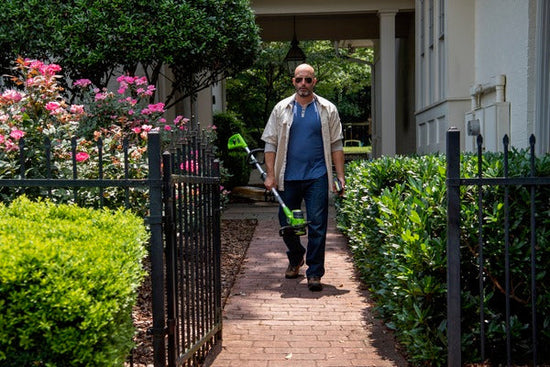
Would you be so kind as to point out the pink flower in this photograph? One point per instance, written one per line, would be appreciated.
(52, 106)
(100, 96)
(77, 109)
(158, 107)
(137, 130)
(82, 156)
(10, 145)
(49, 70)
(12, 96)
(31, 82)
(130, 100)
(82, 83)
(153, 108)
(2, 139)
(180, 119)
(126, 79)
(17, 134)
(146, 92)
(167, 127)
(141, 81)
(146, 128)
(35, 64)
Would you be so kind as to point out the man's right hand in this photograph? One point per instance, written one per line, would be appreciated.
(270, 182)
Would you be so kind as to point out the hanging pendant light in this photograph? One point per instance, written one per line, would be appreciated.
(295, 55)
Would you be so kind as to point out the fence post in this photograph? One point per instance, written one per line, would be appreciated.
(156, 250)
(216, 206)
(453, 248)
(171, 254)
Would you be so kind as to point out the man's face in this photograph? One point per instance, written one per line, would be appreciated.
(304, 81)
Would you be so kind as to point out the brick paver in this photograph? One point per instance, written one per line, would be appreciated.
(271, 321)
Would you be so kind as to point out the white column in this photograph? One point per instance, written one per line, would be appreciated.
(387, 82)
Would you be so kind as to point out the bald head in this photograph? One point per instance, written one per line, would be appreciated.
(305, 69)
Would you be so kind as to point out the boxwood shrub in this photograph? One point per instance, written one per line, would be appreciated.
(68, 281)
(394, 215)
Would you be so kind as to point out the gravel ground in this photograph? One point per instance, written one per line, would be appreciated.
(236, 235)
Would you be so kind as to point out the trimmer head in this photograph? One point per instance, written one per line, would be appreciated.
(296, 223)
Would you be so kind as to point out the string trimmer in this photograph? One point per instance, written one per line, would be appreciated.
(296, 223)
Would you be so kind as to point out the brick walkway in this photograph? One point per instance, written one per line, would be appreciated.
(271, 321)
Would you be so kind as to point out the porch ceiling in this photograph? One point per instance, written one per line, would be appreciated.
(328, 26)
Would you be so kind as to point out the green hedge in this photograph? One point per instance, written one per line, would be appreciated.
(394, 215)
(68, 281)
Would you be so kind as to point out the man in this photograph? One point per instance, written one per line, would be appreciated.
(303, 140)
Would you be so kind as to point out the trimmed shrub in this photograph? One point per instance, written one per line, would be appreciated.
(68, 281)
(394, 215)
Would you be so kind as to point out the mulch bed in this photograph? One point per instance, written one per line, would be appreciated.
(236, 235)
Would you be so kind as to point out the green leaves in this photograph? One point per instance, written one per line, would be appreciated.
(68, 280)
(394, 215)
(93, 38)
(399, 248)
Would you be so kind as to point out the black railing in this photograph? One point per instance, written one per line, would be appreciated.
(184, 222)
(454, 184)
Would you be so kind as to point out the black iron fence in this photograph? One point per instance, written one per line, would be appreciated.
(455, 274)
(183, 216)
(193, 252)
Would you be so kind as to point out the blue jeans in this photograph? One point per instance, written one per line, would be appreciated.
(315, 195)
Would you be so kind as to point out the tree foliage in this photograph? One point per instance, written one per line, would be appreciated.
(343, 78)
(202, 41)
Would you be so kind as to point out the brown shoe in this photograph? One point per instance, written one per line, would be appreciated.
(293, 271)
(314, 284)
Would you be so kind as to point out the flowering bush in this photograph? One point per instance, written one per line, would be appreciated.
(37, 110)
(36, 116)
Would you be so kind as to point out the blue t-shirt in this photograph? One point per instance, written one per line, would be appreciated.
(305, 158)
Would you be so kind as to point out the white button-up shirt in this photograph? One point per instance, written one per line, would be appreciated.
(277, 131)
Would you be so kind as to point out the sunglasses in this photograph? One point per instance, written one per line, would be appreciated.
(299, 80)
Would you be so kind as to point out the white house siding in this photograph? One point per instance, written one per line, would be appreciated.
(505, 45)
(490, 53)
(445, 73)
